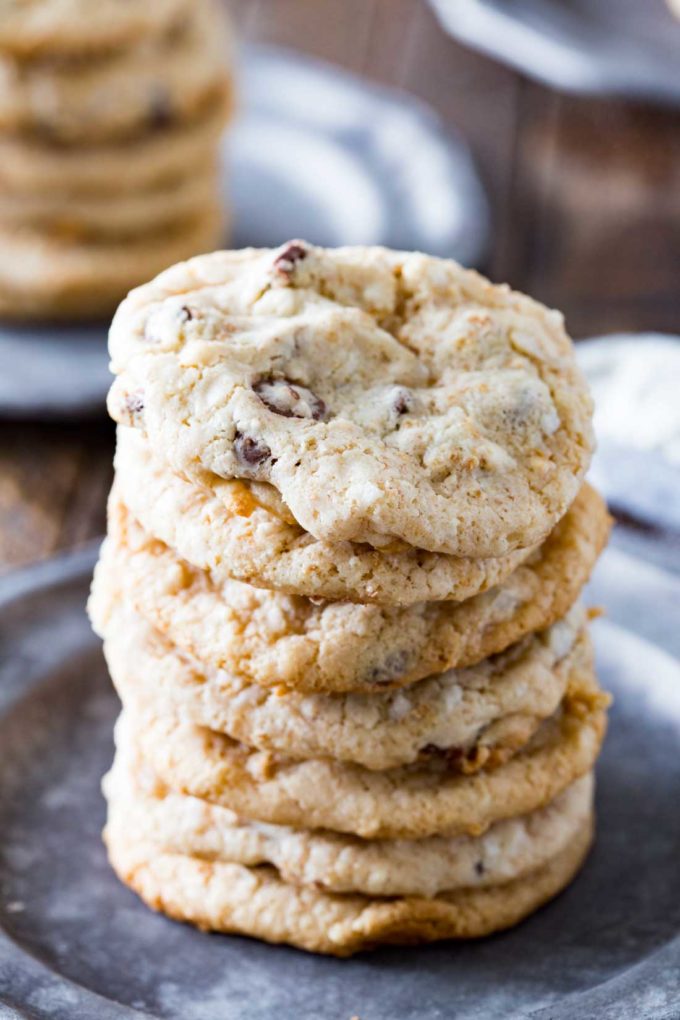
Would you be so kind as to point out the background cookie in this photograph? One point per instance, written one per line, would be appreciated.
(77, 26)
(30, 165)
(62, 279)
(113, 215)
(155, 82)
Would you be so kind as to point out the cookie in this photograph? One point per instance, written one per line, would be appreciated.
(73, 27)
(410, 802)
(255, 901)
(157, 82)
(229, 529)
(30, 165)
(282, 640)
(52, 278)
(87, 216)
(338, 863)
(477, 718)
(387, 396)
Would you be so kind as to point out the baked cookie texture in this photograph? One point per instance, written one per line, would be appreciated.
(89, 215)
(387, 396)
(73, 27)
(50, 276)
(236, 531)
(340, 599)
(110, 128)
(278, 640)
(253, 901)
(475, 716)
(163, 158)
(336, 862)
(408, 802)
(160, 77)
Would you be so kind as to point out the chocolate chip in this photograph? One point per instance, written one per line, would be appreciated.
(185, 314)
(249, 451)
(391, 669)
(402, 400)
(289, 399)
(286, 260)
(453, 755)
(161, 113)
(479, 867)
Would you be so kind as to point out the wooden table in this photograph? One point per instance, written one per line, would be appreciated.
(586, 204)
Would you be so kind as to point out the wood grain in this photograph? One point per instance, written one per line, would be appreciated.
(586, 205)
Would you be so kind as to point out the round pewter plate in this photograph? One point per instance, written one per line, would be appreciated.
(315, 153)
(594, 47)
(75, 944)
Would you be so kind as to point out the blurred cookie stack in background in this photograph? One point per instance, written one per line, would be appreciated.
(340, 599)
(111, 116)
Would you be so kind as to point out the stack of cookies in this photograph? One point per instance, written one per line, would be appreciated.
(339, 599)
(110, 121)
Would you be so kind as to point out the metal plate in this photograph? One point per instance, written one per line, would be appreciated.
(608, 47)
(316, 153)
(75, 944)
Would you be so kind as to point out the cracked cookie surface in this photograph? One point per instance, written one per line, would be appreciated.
(335, 862)
(386, 396)
(409, 802)
(233, 898)
(278, 640)
(471, 718)
(240, 531)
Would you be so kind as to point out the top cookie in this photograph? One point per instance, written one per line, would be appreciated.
(387, 396)
(31, 27)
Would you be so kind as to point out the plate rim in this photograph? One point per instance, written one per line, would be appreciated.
(76, 566)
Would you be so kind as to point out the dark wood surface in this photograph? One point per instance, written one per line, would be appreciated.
(586, 206)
